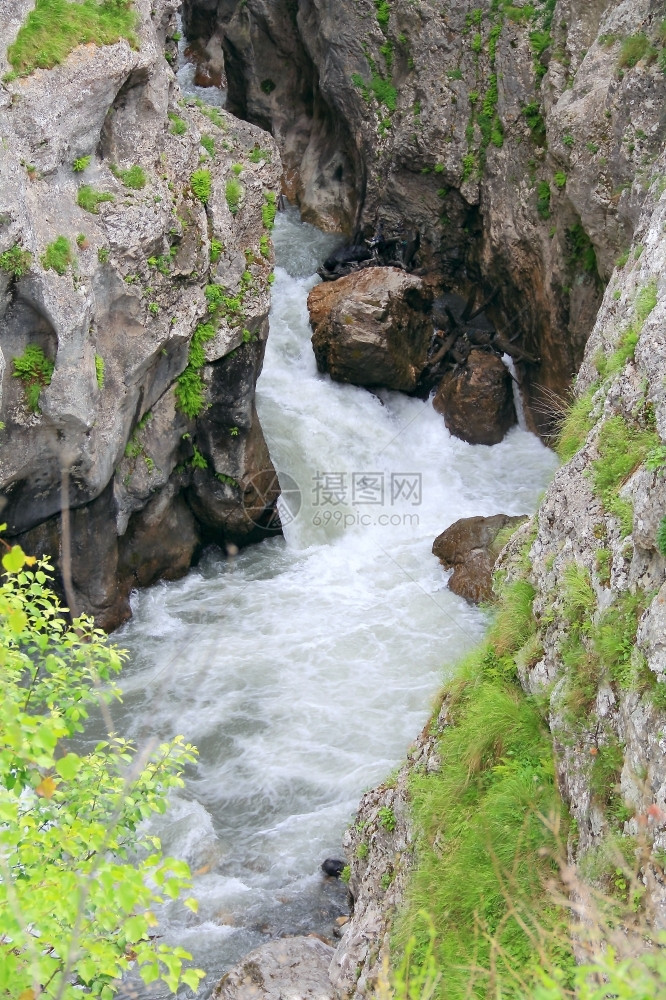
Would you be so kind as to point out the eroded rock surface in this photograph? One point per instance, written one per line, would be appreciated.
(285, 969)
(470, 548)
(476, 400)
(520, 171)
(372, 328)
(153, 477)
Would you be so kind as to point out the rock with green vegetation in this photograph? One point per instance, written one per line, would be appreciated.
(575, 664)
(116, 324)
(504, 135)
(470, 547)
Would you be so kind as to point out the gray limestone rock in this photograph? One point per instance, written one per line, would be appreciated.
(286, 969)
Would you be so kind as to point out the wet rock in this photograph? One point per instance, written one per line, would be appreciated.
(288, 967)
(476, 400)
(469, 547)
(332, 866)
(372, 328)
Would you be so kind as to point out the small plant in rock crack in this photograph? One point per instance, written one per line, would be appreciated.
(16, 261)
(34, 369)
(80, 164)
(58, 256)
(387, 818)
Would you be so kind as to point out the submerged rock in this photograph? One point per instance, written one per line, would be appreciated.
(372, 328)
(476, 401)
(469, 548)
(286, 969)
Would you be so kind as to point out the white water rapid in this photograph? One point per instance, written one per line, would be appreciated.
(303, 667)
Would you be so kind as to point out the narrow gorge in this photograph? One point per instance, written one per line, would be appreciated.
(287, 289)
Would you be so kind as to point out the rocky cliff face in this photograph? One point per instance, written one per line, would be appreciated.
(134, 294)
(518, 141)
(594, 556)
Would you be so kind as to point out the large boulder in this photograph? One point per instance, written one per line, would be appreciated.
(372, 328)
(470, 547)
(290, 968)
(476, 400)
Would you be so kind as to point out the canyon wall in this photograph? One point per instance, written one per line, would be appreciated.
(135, 268)
(517, 141)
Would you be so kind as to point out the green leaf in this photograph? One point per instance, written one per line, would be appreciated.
(68, 767)
(14, 560)
(192, 977)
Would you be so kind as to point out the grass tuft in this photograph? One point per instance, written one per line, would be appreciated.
(233, 192)
(55, 27)
(134, 177)
(89, 199)
(35, 370)
(576, 426)
(201, 185)
(58, 256)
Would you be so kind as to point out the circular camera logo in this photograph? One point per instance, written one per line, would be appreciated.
(272, 499)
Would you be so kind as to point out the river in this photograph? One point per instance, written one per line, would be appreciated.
(303, 667)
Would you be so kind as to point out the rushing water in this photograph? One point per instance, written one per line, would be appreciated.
(303, 667)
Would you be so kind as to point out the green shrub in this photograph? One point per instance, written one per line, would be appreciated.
(190, 392)
(16, 261)
(208, 144)
(535, 122)
(634, 48)
(560, 179)
(483, 850)
(621, 449)
(386, 818)
(201, 184)
(267, 86)
(134, 177)
(233, 192)
(269, 209)
(543, 199)
(55, 27)
(383, 9)
(70, 817)
(178, 124)
(646, 300)
(216, 249)
(89, 199)
(614, 637)
(35, 370)
(103, 255)
(578, 598)
(576, 425)
(259, 156)
(78, 166)
(58, 256)
(198, 461)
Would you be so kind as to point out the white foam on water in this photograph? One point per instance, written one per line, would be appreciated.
(303, 667)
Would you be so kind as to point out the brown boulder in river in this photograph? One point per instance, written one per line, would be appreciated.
(476, 400)
(469, 547)
(372, 328)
